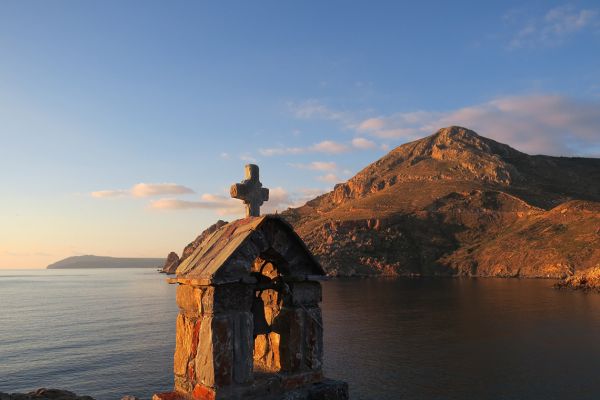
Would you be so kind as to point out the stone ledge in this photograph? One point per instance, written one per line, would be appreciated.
(327, 389)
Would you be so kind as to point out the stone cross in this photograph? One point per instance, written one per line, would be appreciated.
(250, 190)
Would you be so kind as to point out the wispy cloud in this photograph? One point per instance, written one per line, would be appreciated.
(110, 193)
(370, 124)
(279, 200)
(279, 151)
(330, 147)
(329, 178)
(247, 157)
(537, 124)
(220, 204)
(552, 28)
(158, 189)
(549, 124)
(314, 109)
(326, 146)
(145, 190)
(316, 166)
(363, 144)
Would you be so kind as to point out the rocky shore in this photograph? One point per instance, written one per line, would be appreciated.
(44, 394)
(586, 280)
(51, 394)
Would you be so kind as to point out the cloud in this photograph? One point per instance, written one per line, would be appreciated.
(110, 193)
(158, 189)
(306, 194)
(553, 28)
(363, 144)
(279, 200)
(317, 166)
(279, 151)
(177, 204)
(311, 109)
(331, 147)
(145, 190)
(220, 204)
(326, 146)
(247, 157)
(546, 124)
(370, 124)
(329, 178)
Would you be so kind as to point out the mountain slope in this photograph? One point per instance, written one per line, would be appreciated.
(456, 203)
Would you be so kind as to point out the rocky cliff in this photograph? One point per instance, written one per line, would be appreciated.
(456, 203)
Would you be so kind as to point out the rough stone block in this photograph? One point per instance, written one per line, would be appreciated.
(169, 396)
(203, 393)
(329, 390)
(290, 326)
(205, 372)
(293, 381)
(233, 297)
(242, 347)
(183, 343)
(222, 348)
(226, 298)
(183, 384)
(188, 299)
(308, 294)
(208, 300)
(281, 241)
(313, 339)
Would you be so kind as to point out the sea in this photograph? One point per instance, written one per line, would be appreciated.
(108, 333)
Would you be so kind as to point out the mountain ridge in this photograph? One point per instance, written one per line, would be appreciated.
(457, 203)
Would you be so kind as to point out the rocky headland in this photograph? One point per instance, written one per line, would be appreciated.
(90, 261)
(173, 260)
(455, 204)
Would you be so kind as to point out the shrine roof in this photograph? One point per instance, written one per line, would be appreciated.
(227, 255)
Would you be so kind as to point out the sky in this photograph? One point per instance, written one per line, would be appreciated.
(123, 123)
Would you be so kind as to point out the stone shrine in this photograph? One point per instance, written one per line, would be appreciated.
(249, 323)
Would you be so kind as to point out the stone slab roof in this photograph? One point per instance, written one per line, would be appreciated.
(228, 254)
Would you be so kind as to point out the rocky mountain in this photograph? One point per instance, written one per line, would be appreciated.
(90, 261)
(456, 203)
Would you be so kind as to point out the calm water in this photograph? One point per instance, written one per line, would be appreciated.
(107, 333)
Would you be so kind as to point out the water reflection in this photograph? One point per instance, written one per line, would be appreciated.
(458, 339)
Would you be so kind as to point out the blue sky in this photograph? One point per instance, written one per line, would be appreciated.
(175, 97)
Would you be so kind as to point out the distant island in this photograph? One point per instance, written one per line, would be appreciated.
(89, 261)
